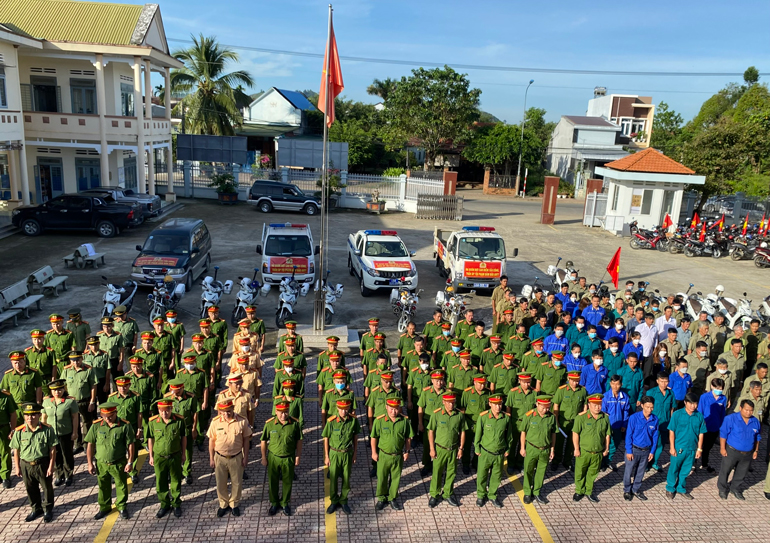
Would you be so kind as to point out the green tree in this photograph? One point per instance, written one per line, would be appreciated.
(719, 153)
(667, 131)
(382, 88)
(495, 147)
(210, 98)
(751, 75)
(437, 107)
(361, 143)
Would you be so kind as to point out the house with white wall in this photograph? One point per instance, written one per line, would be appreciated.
(75, 99)
(634, 115)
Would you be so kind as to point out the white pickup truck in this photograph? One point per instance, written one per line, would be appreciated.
(380, 260)
(473, 257)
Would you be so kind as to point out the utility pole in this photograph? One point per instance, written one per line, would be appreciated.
(521, 140)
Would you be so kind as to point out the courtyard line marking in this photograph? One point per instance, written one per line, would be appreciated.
(330, 521)
(530, 509)
(551, 227)
(110, 520)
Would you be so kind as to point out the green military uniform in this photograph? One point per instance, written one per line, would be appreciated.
(100, 363)
(391, 436)
(164, 344)
(430, 400)
(300, 363)
(81, 330)
(504, 330)
(518, 345)
(593, 433)
(154, 362)
(476, 345)
(23, 386)
(146, 387)
(296, 407)
(447, 428)
(299, 344)
(406, 343)
(494, 437)
(197, 382)
(8, 408)
(520, 403)
(332, 395)
(34, 451)
(177, 332)
(113, 344)
(296, 376)
(449, 359)
(698, 368)
(504, 378)
(213, 344)
(341, 434)
(412, 359)
(489, 359)
(463, 329)
(418, 380)
(281, 450)
(462, 378)
(112, 445)
(538, 435)
(168, 442)
(736, 365)
(129, 407)
(61, 344)
(550, 377)
(472, 403)
(441, 344)
(325, 379)
(80, 382)
(44, 361)
(369, 361)
(204, 360)
(571, 403)
(128, 329)
(323, 360)
(431, 330)
(186, 406)
(59, 416)
(257, 326)
(377, 397)
(219, 329)
(531, 361)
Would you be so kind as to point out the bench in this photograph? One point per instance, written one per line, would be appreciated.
(17, 296)
(8, 314)
(45, 279)
(80, 258)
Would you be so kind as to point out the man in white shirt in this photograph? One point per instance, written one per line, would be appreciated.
(664, 322)
(648, 340)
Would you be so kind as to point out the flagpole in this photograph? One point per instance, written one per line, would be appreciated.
(319, 320)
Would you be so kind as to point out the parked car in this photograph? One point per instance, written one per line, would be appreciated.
(150, 204)
(181, 247)
(78, 212)
(270, 195)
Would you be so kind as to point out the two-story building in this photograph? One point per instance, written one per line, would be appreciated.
(75, 97)
(632, 113)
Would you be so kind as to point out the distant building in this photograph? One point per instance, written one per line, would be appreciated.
(633, 114)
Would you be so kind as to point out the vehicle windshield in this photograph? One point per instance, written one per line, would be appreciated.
(481, 248)
(391, 249)
(298, 245)
(167, 244)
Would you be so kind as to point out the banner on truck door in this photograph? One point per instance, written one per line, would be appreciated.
(398, 264)
(482, 270)
(285, 265)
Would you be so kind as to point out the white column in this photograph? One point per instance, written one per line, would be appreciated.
(141, 181)
(13, 173)
(151, 168)
(170, 171)
(24, 175)
(101, 105)
(148, 116)
(167, 91)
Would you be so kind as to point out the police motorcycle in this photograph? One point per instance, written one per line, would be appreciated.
(404, 304)
(452, 304)
(695, 303)
(247, 295)
(212, 291)
(735, 311)
(561, 275)
(166, 293)
(763, 313)
(528, 291)
(331, 293)
(288, 291)
(118, 295)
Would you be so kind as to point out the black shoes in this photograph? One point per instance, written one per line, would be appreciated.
(188, 480)
(641, 496)
(177, 512)
(432, 502)
(32, 516)
(68, 482)
(613, 468)
(395, 505)
(710, 469)
(687, 496)
(373, 473)
(222, 511)
(498, 502)
(100, 515)
(246, 476)
(236, 511)
(628, 496)
(425, 471)
(577, 497)
(738, 494)
(162, 512)
(541, 499)
(272, 511)
(480, 502)
(723, 495)
(527, 499)
(346, 509)
(593, 499)
(331, 509)
(379, 506)
(124, 514)
(58, 482)
(48, 517)
(452, 500)
(670, 495)
(7, 483)
(288, 510)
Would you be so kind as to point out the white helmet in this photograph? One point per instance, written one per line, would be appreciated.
(719, 289)
(208, 280)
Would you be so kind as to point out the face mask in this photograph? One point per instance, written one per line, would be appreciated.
(573, 299)
(172, 320)
(635, 342)
(592, 335)
(618, 327)
(539, 351)
(677, 307)
(289, 370)
(702, 354)
(613, 350)
(246, 348)
(446, 333)
(628, 296)
(423, 367)
(579, 325)
(559, 333)
(662, 352)
(682, 370)
(717, 392)
(573, 277)
(339, 386)
(557, 363)
(722, 371)
(641, 289)
(455, 349)
(189, 367)
(592, 291)
(598, 362)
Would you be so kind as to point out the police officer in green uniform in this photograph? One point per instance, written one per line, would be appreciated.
(129, 404)
(296, 407)
(451, 357)
(81, 385)
(163, 342)
(281, 449)
(325, 378)
(167, 446)
(35, 461)
(551, 374)
(340, 390)
(111, 444)
(534, 358)
(186, 405)
(79, 328)
(219, 329)
(491, 356)
(370, 356)
(446, 435)
(113, 344)
(288, 372)
(60, 340)
(467, 326)
(390, 439)
(417, 380)
(291, 327)
(24, 383)
(461, 376)
(299, 360)
(441, 343)
(42, 358)
(591, 441)
(145, 385)
(256, 325)
(323, 358)
(476, 343)
(99, 361)
(538, 440)
(127, 327)
(203, 359)
(494, 437)
(367, 338)
(433, 328)
(503, 376)
(412, 358)
(197, 382)
(376, 403)
(406, 344)
(155, 362)
(568, 402)
(430, 400)
(340, 445)
(473, 401)
(61, 413)
(177, 332)
(518, 344)
(519, 401)
(8, 420)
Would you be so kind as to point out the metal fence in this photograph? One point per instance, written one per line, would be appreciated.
(416, 186)
(502, 181)
(595, 209)
(429, 174)
(439, 207)
(359, 185)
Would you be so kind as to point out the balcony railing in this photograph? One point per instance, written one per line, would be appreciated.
(43, 125)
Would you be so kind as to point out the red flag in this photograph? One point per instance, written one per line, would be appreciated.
(613, 268)
(695, 220)
(702, 236)
(333, 77)
(667, 221)
(720, 223)
(745, 224)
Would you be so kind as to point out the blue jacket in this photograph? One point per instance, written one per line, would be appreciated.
(553, 343)
(622, 337)
(629, 348)
(739, 435)
(593, 316)
(617, 409)
(680, 384)
(641, 432)
(572, 363)
(713, 409)
(592, 379)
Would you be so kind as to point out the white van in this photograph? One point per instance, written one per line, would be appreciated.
(286, 249)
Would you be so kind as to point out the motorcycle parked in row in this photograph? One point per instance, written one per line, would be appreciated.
(404, 303)
(744, 249)
(246, 296)
(330, 296)
(695, 303)
(735, 311)
(166, 294)
(763, 313)
(648, 239)
(118, 295)
(289, 290)
(212, 291)
(560, 275)
(711, 246)
(528, 291)
(452, 304)
(762, 257)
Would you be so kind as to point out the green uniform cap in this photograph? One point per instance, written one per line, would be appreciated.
(32, 408)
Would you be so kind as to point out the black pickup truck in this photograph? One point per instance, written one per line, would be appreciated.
(77, 212)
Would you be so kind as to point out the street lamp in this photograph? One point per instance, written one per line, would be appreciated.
(521, 141)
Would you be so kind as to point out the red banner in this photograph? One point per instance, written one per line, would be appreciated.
(398, 264)
(155, 261)
(285, 266)
(482, 270)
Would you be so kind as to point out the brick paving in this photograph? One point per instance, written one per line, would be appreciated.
(707, 518)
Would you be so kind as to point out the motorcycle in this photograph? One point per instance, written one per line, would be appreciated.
(764, 311)
(118, 295)
(166, 294)
(404, 303)
(212, 292)
(452, 305)
(762, 257)
(695, 303)
(677, 242)
(735, 311)
(741, 249)
(287, 297)
(648, 239)
(528, 291)
(560, 275)
(246, 296)
(330, 296)
(711, 246)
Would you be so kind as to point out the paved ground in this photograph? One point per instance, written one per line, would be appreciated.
(235, 232)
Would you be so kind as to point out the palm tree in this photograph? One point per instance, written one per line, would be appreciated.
(383, 89)
(209, 96)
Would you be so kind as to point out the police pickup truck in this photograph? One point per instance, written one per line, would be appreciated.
(473, 257)
(380, 260)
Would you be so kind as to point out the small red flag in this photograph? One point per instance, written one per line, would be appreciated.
(722, 223)
(695, 220)
(702, 236)
(745, 224)
(667, 221)
(333, 77)
(613, 268)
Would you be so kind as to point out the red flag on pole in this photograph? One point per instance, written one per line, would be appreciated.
(667, 221)
(720, 223)
(702, 236)
(331, 78)
(695, 220)
(613, 268)
(745, 224)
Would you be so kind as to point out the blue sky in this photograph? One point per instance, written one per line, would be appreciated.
(668, 36)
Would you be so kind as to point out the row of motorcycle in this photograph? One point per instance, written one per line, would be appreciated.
(452, 304)
(693, 241)
(167, 293)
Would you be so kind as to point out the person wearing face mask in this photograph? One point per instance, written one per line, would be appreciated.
(680, 383)
(594, 376)
(473, 401)
(605, 326)
(577, 330)
(701, 334)
(568, 402)
(288, 372)
(197, 381)
(570, 304)
(80, 329)
(324, 379)
(672, 345)
(551, 375)
(244, 348)
(640, 291)
(590, 342)
(698, 366)
(723, 372)
(661, 361)
(634, 345)
(534, 358)
(287, 395)
(613, 358)
(664, 408)
(299, 362)
(451, 357)
(618, 331)
(417, 380)
(632, 381)
(573, 359)
(556, 341)
(503, 375)
(177, 331)
(441, 344)
(340, 389)
(713, 406)
(518, 343)
(677, 311)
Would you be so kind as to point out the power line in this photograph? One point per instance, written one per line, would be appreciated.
(480, 66)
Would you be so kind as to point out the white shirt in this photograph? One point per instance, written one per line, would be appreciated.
(649, 337)
(663, 325)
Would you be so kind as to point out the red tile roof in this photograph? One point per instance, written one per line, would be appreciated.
(649, 161)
